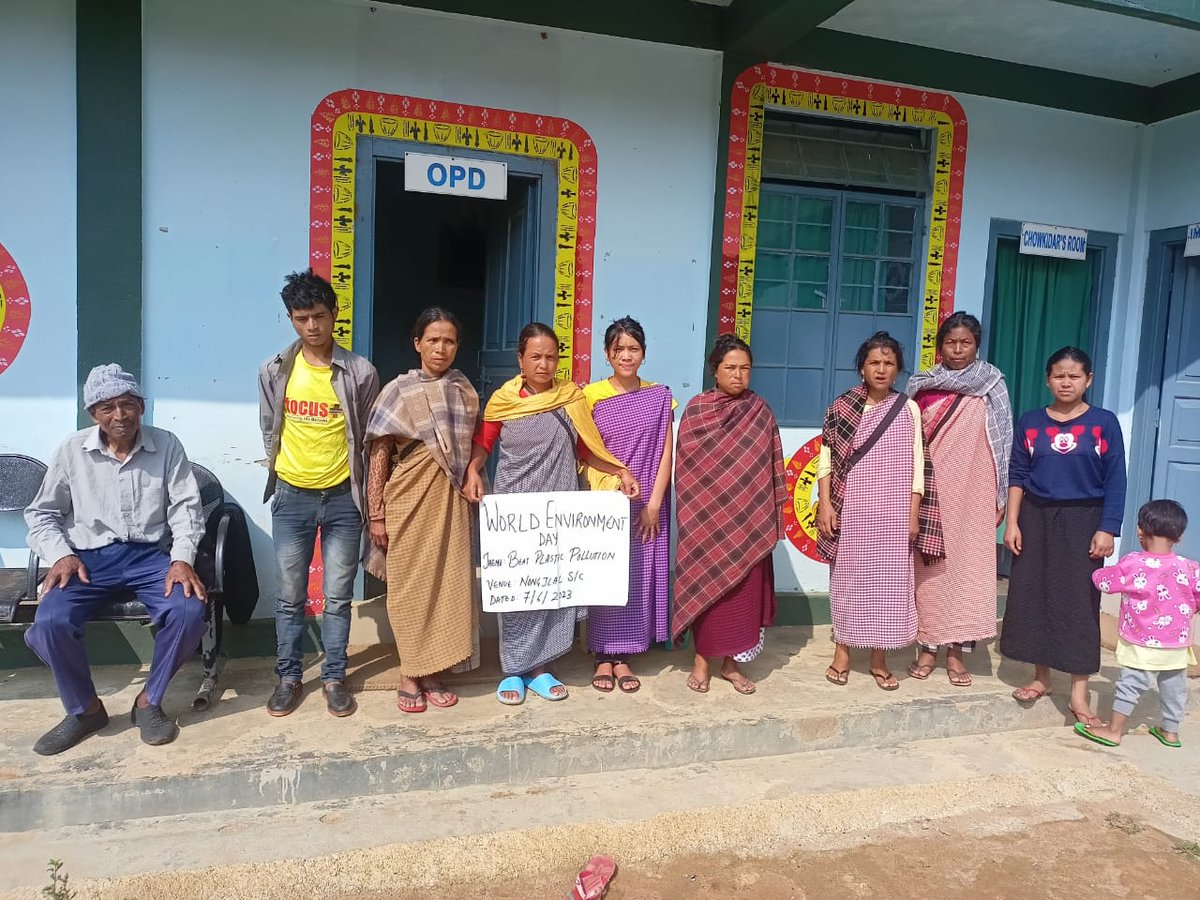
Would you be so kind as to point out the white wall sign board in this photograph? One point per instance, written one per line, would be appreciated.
(554, 549)
(454, 175)
(1051, 240)
(1192, 247)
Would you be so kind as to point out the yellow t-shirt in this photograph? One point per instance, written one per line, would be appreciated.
(313, 451)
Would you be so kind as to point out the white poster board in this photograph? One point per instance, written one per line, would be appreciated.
(1053, 240)
(550, 550)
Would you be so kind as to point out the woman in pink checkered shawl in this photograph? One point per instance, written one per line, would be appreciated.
(729, 493)
(875, 508)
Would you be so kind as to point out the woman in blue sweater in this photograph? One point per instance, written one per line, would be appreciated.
(1066, 497)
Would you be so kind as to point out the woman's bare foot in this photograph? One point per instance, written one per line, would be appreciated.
(437, 694)
(699, 677)
(559, 690)
(1083, 713)
(626, 680)
(956, 669)
(1033, 691)
(410, 697)
(731, 673)
(925, 663)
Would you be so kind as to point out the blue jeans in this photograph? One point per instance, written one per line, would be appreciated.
(296, 514)
(56, 634)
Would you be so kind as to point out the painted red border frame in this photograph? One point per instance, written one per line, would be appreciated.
(461, 114)
(867, 91)
(17, 309)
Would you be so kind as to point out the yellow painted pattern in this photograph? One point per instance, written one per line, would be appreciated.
(761, 96)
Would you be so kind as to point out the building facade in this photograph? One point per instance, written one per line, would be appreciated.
(800, 177)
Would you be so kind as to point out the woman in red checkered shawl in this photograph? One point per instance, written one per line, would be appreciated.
(873, 510)
(729, 493)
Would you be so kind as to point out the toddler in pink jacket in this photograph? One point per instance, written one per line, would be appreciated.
(1159, 595)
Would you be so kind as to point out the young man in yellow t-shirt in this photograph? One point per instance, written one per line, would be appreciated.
(314, 402)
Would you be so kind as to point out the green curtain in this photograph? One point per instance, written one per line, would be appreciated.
(1039, 304)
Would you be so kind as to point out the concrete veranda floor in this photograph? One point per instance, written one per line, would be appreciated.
(244, 758)
(810, 758)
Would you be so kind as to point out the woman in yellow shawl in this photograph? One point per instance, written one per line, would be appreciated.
(545, 430)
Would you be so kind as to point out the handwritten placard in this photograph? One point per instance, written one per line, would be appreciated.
(550, 550)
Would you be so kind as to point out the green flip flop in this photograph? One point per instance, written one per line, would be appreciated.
(1158, 733)
(1082, 731)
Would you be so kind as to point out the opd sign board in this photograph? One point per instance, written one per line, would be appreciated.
(460, 177)
(1053, 240)
(554, 549)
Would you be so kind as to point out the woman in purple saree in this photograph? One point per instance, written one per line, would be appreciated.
(635, 419)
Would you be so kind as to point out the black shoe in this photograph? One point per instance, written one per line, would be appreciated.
(70, 731)
(338, 699)
(156, 728)
(285, 699)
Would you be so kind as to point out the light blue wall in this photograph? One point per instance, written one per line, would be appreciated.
(37, 226)
(226, 125)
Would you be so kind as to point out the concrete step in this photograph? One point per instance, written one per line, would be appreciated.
(235, 757)
(422, 840)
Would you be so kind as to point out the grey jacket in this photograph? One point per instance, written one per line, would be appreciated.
(356, 384)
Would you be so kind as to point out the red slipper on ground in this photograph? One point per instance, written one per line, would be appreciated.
(592, 883)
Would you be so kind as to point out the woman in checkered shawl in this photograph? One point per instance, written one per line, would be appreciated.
(872, 512)
(967, 424)
(420, 524)
(729, 492)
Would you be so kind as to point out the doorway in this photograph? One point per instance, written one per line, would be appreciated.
(1036, 304)
(1165, 446)
(487, 261)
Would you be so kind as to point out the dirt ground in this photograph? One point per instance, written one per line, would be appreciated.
(1117, 858)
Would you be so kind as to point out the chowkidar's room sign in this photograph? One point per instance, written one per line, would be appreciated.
(550, 550)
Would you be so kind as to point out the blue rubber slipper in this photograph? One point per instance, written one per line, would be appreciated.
(1157, 733)
(512, 684)
(1082, 731)
(543, 684)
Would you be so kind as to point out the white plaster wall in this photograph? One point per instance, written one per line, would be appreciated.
(37, 226)
(1173, 193)
(226, 131)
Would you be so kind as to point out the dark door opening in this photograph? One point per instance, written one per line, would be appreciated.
(477, 258)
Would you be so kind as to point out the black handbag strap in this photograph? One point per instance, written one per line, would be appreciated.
(888, 418)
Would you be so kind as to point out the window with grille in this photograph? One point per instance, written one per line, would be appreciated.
(832, 267)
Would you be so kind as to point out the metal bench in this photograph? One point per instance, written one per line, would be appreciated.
(20, 478)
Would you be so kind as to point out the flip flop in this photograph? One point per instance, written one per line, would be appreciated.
(593, 881)
(1037, 695)
(603, 683)
(543, 684)
(881, 677)
(700, 686)
(740, 686)
(915, 671)
(963, 678)
(629, 684)
(411, 695)
(429, 690)
(840, 676)
(1085, 720)
(1082, 731)
(512, 684)
(1157, 733)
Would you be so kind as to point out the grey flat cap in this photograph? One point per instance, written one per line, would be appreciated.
(106, 382)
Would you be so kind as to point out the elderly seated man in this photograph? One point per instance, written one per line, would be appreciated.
(115, 495)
